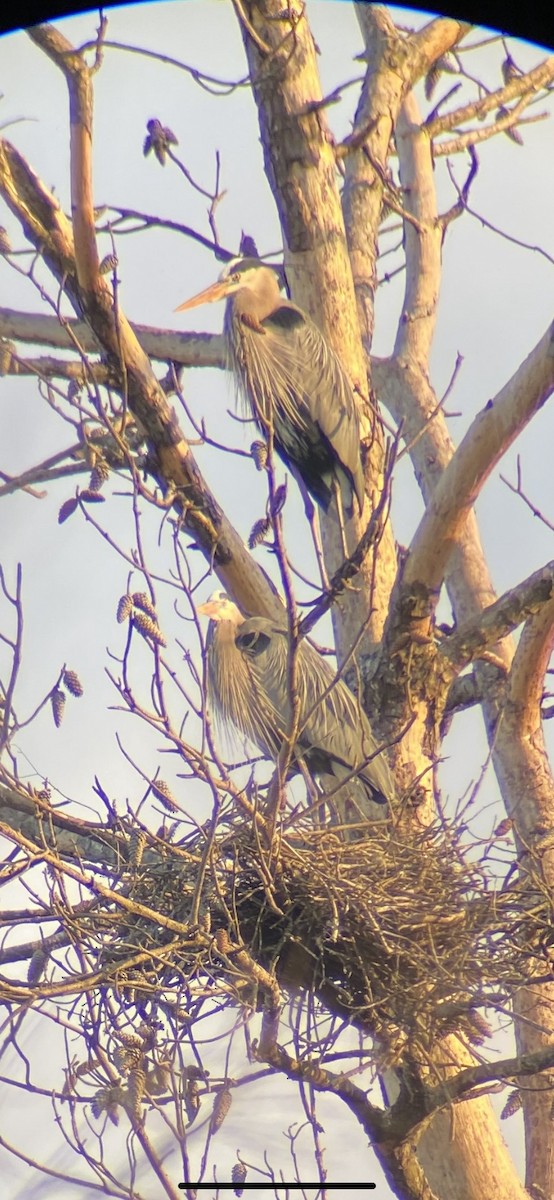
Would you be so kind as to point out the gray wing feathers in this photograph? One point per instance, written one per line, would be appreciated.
(334, 731)
(302, 376)
(338, 420)
(350, 804)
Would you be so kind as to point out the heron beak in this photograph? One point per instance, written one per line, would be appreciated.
(216, 291)
(209, 609)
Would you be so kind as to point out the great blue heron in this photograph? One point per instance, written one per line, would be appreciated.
(292, 381)
(249, 688)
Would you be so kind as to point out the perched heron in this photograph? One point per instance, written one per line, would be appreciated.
(248, 687)
(292, 382)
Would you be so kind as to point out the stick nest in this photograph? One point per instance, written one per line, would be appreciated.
(399, 933)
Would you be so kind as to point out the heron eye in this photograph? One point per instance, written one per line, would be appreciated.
(236, 277)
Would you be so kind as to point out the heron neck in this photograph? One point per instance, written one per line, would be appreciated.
(262, 302)
(224, 633)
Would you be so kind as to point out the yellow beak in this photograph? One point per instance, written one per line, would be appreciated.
(216, 291)
(209, 609)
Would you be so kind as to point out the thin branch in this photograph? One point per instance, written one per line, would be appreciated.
(463, 205)
(352, 564)
(517, 489)
(219, 87)
(525, 85)
(74, 838)
(150, 221)
(473, 137)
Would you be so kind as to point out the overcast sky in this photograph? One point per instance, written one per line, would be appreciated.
(496, 302)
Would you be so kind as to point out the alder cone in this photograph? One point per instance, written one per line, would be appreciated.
(68, 507)
(258, 451)
(73, 683)
(57, 701)
(163, 791)
(147, 627)
(124, 609)
(238, 1176)
(142, 600)
(222, 1105)
(135, 1090)
(512, 1105)
(259, 531)
(99, 476)
(137, 842)
(192, 1100)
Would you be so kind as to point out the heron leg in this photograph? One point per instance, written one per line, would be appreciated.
(312, 517)
(340, 514)
(318, 547)
(313, 794)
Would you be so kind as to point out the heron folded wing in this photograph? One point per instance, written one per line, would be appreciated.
(333, 408)
(338, 728)
(346, 806)
(344, 752)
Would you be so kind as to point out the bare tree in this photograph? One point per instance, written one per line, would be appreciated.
(213, 907)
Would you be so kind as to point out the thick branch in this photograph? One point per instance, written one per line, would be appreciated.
(72, 838)
(488, 438)
(499, 619)
(41, 218)
(185, 349)
(524, 771)
(464, 692)
(526, 778)
(366, 160)
(458, 1086)
(301, 168)
(394, 64)
(407, 393)
(530, 663)
(78, 77)
(400, 1168)
(540, 77)
(422, 241)
(171, 461)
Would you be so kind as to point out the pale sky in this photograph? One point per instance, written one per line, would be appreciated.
(496, 302)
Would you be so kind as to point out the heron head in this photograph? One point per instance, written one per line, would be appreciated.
(248, 274)
(219, 607)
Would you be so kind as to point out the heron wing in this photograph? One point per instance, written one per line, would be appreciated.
(337, 729)
(350, 804)
(335, 735)
(294, 384)
(324, 388)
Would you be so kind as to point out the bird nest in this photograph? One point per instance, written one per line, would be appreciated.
(399, 932)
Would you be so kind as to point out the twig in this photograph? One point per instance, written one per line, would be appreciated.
(350, 567)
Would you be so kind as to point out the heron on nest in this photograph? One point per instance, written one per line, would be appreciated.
(248, 688)
(292, 381)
